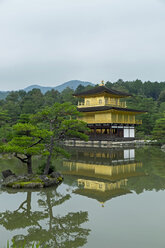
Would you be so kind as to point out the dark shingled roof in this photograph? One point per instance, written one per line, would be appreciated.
(101, 89)
(100, 195)
(103, 108)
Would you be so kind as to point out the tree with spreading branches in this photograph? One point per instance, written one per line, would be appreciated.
(27, 141)
(61, 121)
(41, 134)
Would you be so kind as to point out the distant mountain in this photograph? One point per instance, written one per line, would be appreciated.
(42, 88)
(73, 84)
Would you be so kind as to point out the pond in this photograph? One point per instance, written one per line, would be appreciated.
(109, 198)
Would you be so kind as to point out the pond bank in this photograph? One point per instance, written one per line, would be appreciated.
(107, 144)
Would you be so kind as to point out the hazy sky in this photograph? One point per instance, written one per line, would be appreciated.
(49, 42)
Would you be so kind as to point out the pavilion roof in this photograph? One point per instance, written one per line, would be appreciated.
(112, 178)
(103, 108)
(101, 89)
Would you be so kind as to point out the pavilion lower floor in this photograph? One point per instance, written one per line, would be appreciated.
(109, 131)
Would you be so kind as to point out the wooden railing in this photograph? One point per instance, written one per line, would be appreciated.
(119, 105)
(92, 121)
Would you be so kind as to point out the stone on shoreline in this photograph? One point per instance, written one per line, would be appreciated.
(163, 148)
(30, 181)
(7, 173)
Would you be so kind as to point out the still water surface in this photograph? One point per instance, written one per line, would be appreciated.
(109, 199)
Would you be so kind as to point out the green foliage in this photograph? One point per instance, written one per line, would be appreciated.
(74, 128)
(162, 96)
(42, 135)
(162, 107)
(24, 118)
(26, 140)
(67, 96)
(60, 120)
(51, 97)
(12, 106)
(82, 88)
(147, 89)
(32, 102)
(4, 126)
(4, 117)
(159, 130)
(41, 167)
(148, 118)
(5, 134)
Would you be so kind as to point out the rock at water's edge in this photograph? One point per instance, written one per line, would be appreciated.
(7, 173)
(163, 148)
(32, 181)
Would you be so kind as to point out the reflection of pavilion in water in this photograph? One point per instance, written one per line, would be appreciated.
(103, 175)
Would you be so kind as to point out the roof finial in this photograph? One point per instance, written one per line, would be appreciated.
(102, 83)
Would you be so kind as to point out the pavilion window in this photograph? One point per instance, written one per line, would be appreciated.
(87, 102)
(100, 186)
(100, 101)
(106, 100)
(88, 184)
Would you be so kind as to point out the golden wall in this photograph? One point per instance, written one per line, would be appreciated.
(103, 169)
(108, 117)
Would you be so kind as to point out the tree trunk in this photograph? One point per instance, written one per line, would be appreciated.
(29, 203)
(29, 164)
(47, 167)
(50, 211)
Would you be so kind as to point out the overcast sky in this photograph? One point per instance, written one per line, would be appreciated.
(49, 42)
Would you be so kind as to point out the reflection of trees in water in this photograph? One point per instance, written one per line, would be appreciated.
(154, 168)
(58, 231)
(22, 217)
(149, 183)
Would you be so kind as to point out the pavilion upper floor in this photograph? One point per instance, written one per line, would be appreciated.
(102, 100)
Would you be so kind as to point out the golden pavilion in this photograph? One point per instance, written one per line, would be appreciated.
(107, 114)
